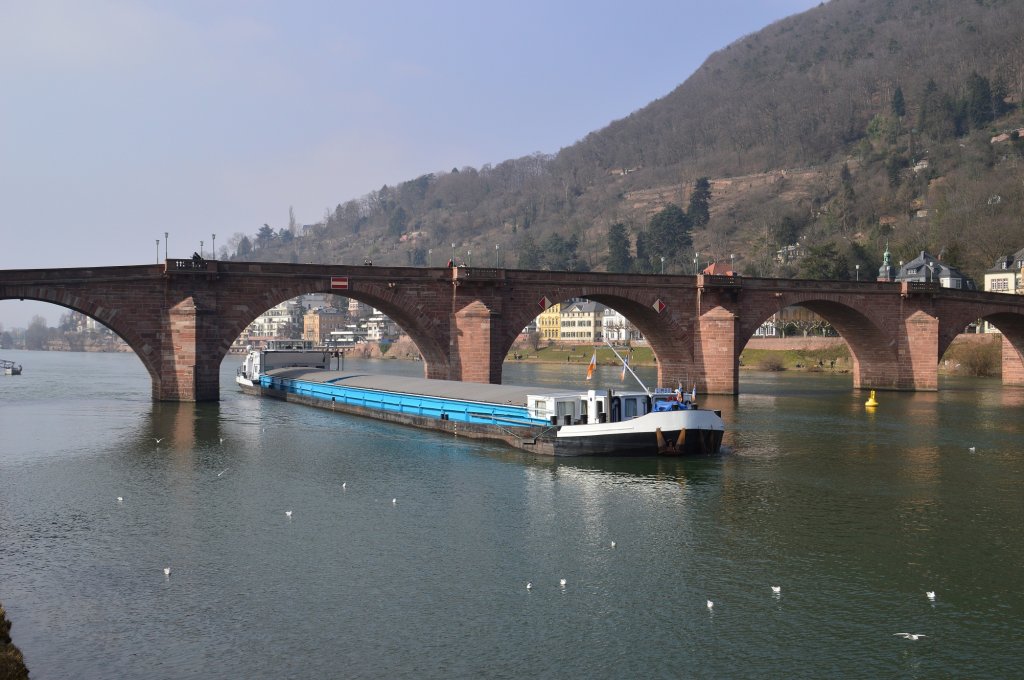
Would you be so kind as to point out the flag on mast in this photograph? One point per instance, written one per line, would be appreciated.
(591, 365)
(624, 363)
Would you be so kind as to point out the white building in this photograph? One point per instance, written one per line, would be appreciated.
(618, 329)
(1005, 277)
(581, 322)
(280, 321)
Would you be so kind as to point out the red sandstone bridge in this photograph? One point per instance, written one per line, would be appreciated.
(180, 317)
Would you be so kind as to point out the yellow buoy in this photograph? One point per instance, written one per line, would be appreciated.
(871, 400)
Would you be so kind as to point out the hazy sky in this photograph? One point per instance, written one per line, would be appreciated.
(121, 120)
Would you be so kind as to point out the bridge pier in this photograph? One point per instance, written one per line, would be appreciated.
(1013, 366)
(716, 354)
(473, 357)
(190, 357)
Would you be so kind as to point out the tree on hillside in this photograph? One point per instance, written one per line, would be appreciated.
(244, 247)
(979, 101)
(264, 237)
(899, 106)
(397, 222)
(529, 253)
(669, 237)
(824, 262)
(699, 211)
(619, 258)
(560, 253)
(642, 263)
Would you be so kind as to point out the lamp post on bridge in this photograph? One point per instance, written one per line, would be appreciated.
(158, 251)
(857, 266)
(165, 244)
(213, 245)
(430, 251)
(453, 255)
(200, 250)
(495, 255)
(662, 264)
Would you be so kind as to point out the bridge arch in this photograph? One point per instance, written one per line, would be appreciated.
(874, 351)
(425, 332)
(107, 314)
(670, 336)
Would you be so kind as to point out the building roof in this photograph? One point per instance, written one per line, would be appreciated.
(926, 267)
(719, 269)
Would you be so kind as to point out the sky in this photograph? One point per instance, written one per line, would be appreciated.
(124, 120)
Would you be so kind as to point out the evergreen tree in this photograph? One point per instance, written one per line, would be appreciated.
(824, 262)
(619, 258)
(979, 101)
(699, 211)
(529, 253)
(244, 247)
(642, 263)
(669, 233)
(899, 107)
(397, 222)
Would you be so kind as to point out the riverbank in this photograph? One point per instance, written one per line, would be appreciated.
(12, 662)
(969, 354)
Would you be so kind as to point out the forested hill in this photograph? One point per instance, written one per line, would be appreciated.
(852, 125)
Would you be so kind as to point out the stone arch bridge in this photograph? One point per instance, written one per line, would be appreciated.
(180, 317)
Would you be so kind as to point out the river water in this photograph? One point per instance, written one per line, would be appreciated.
(854, 514)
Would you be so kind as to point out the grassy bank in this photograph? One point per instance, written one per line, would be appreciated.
(974, 355)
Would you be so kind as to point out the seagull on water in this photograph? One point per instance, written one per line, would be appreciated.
(120, 499)
(394, 501)
(972, 449)
(910, 636)
(167, 571)
(288, 513)
(343, 485)
(931, 595)
(561, 582)
(158, 440)
(776, 589)
(529, 585)
(613, 544)
(711, 605)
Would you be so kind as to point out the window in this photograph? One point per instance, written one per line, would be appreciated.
(629, 408)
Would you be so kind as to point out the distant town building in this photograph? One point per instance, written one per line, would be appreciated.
(1005, 276)
(582, 322)
(617, 329)
(928, 269)
(549, 323)
(318, 323)
(283, 321)
(358, 310)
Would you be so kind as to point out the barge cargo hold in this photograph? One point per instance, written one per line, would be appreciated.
(546, 421)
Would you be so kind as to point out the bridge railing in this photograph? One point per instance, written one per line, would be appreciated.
(193, 264)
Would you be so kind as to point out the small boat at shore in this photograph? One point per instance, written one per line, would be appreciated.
(547, 421)
(9, 367)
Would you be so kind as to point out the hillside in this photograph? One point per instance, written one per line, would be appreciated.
(854, 124)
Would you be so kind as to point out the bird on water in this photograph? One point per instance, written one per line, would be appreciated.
(167, 571)
(288, 513)
(776, 589)
(930, 595)
(711, 605)
(910, 636)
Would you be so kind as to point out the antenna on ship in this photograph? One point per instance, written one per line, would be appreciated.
(626, 365)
